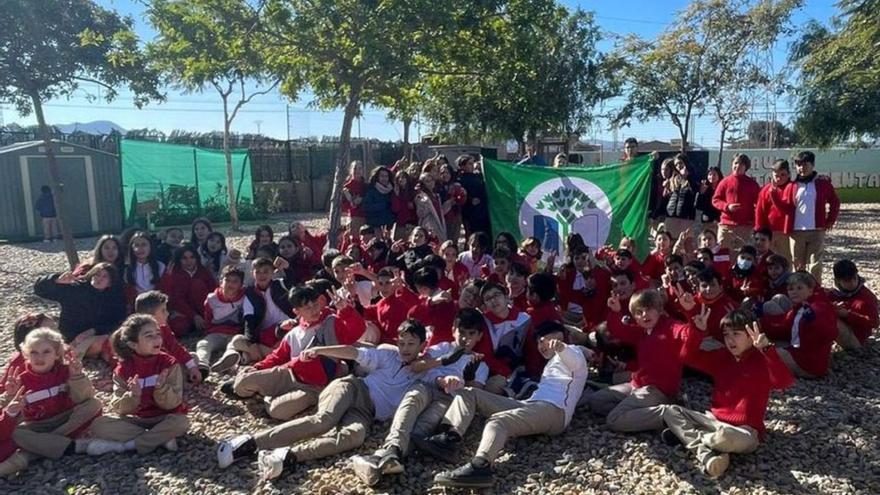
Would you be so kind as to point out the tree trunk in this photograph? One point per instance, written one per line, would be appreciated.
(342, 166)
(230, 179)
(721, 145)
(683, 131)
(406, 146)
(57, 187)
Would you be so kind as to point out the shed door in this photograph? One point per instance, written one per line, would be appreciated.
(77, 202)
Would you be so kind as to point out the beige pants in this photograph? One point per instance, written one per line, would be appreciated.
(703, 433)
(506, 418)
(13, 464)
(418, 414)
(287, 396)
(734, 237)
(781, 244)
(777, 305)
(845, 336)
(50, 437)
(147, 433)
(807, 249)
(629, 409)
(250, 352)
(496, 384)
(789, 361)
(209, 345)
(341, 423)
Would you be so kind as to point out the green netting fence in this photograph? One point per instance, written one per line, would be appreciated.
(175, 183)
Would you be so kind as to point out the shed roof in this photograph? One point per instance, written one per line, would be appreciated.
(34, 144)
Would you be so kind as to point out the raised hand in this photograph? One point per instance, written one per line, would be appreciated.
(614, 303)
(451, 383)
(72, 360)
(759, 339)
(557, 345)
(308, 355)
(16, 402)
(441, 297)
(13, 383)
(701, 321)
(134, 385)
(65, 278)
(281, 263)
(685, 298)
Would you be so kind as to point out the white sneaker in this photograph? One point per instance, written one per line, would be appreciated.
(271, 463)
(98, 446)
(717, 465)
(226, 450)
(227, 361)
(170, 445)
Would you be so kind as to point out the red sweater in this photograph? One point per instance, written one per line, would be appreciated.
(499, 351)
(740, 189)
(47, 394)
(440, 316)
(147, 369)
(862, 306)
(654, 266)
(532, 358)
(827, 204)
(816, 332)
(594, 302)
(753, 285)
(767, 213)
(187, 293)
(742, 386)
(390, 312)
(7, 426)
(718, 309)
(660, 354)
(356, 188)
(173, 347)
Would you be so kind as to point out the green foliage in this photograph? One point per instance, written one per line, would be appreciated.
(838, 97)
(48, 48)
(535, 69)
(567, 203)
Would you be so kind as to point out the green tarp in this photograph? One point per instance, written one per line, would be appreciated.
(601, 203)
(187, 176)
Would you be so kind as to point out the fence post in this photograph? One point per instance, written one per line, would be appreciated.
(311, 154)
(196, 171)
(290, 175)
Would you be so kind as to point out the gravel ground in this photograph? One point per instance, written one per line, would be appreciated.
(821, 438)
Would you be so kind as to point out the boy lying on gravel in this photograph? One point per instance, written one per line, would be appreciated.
(346, 407)
(743, 375)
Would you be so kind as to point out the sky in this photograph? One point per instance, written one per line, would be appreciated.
(269, 114)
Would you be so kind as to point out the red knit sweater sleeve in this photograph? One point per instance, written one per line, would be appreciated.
(626, 333)
(349, 326)
(780, 376)
(173, 347)
(279, 356)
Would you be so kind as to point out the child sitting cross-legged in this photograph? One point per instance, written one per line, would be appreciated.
(147, 393)
(448, 366)
(155, 304)
(743, 374)
(855, 304)
(346, 407)
(547, 411)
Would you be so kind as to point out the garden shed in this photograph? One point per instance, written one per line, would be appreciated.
(92, 182)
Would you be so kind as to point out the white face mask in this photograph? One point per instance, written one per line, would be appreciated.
(743, 264)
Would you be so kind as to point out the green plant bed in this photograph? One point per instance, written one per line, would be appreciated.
(859, 194)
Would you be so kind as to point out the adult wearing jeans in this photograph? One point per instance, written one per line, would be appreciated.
(736, 197)
(812, 206)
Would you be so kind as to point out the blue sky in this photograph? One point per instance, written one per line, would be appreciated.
(202, 112)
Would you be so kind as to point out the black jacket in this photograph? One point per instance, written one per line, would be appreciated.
(83, 307)
(681, 202)
(253, 319)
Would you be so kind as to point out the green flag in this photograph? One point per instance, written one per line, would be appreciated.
(601, 203)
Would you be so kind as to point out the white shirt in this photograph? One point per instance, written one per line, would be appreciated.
(475, 267)
(563, 380)
(143, 275)
(796, 328)
(387, 379)
(805, 206)
(456, 368)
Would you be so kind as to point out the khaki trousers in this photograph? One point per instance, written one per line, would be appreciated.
(506, 418)
(807, 249)
(287, 396)
(419, 413)
(789, 361)
(704, 434)
(496, 384)
(845, 336)
(781, 244)
(209, 345)
(250, 352)
(629, 409)
(50, 437)
(341, 423)
(147, 433)
(13, 464)
(734, 237)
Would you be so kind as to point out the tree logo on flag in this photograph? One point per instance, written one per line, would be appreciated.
(563, 205)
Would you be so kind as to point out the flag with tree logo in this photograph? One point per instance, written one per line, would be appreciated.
(601, 203)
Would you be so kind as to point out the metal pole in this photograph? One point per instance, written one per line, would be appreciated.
(288, 126)
(196, 172)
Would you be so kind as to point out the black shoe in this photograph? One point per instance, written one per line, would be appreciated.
(205, 372)
(390, 462)
(669, 438)
(467, 476)
(228, 389)
(443, 446)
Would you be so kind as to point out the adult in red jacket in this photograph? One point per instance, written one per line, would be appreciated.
(736, 197)
(768, 213)
(812, 206)
(187, 283)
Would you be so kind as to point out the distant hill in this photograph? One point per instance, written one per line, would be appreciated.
(96, 127)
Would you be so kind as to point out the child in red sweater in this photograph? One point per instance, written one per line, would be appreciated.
(660, 342)
(653, 266)
(22, 327)
(223, 316)
(502, 346)
(768, 213)
(390, 311)
(855, 304)
(147, 394)
(735, 197)
(743, 374)
(541, 291)
(155, 304)
(289, 384)
(435, 309)
(806, 332)
(746, 280)
(583, 287)
(187, 283)
(517, 285)
(711, 296)
(59, 399)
